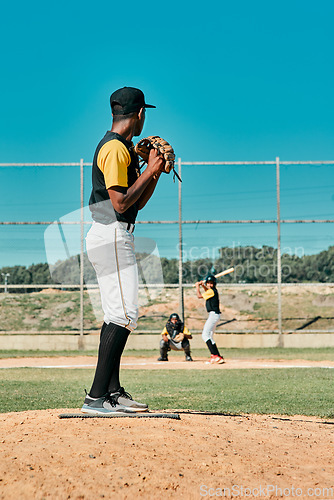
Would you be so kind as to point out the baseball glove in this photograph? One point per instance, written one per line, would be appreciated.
(143, 148)
(179, 337)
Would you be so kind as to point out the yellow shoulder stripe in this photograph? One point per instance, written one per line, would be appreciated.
(113, 160)
(208, 294)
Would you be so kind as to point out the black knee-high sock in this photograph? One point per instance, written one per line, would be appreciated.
(212, 348)
(114, 383)
(112, 341)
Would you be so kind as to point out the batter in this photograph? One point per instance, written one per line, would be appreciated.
(211, 297)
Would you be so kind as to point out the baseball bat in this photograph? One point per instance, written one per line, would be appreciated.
(223, 273)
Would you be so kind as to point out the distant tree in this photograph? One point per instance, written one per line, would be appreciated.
(170, 270)
(252, 265)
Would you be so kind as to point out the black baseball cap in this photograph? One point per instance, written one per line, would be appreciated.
(130, 99)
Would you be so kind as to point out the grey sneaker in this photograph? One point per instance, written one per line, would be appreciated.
(103, 406)
(125, 399)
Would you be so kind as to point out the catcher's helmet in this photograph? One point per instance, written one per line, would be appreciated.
(174, 316)
(212, 278)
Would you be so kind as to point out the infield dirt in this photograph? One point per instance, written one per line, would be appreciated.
(151, 363)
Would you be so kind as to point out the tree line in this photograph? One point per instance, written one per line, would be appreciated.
(252, 265)
(256, 265)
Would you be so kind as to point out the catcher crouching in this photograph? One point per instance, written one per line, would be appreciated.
(175, 336)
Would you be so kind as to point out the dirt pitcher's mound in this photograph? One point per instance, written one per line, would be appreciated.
(198, 456)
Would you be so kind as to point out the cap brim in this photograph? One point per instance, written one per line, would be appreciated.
(149, 106)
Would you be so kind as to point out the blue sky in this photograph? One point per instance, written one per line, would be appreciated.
(236, 81)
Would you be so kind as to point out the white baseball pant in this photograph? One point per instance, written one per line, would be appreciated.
(110, 249)
(210, 326)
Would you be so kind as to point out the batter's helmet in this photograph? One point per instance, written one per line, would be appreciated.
(174, 316)
(212, 278)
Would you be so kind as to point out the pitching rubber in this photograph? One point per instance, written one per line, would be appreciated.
(174, 416)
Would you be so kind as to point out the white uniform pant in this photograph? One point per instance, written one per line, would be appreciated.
(110, 249)
(210, 326)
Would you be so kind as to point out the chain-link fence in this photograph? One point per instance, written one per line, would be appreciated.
(271, 220)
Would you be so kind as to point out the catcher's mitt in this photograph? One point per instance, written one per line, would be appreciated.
(143, 148)
(179, 337)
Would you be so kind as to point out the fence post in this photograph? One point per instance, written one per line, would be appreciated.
(279, 264)
(181, 301)
(81, 337)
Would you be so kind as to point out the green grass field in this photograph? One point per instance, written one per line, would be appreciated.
(260, 391)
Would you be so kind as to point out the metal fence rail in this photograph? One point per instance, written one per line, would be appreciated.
(180, 222)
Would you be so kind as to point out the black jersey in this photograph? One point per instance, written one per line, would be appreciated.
(211, 297)
(115, 163)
